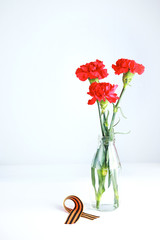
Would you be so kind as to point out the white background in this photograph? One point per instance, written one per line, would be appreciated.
(45, 119)
(31, 203)
(44, 116)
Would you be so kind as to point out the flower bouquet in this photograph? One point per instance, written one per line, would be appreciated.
(105, 164)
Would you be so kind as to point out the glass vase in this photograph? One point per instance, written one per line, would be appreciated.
(104, 174)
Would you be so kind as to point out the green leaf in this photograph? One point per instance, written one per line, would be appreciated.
(122, 112)
(93, 177)
(115, 187)
(109, 178)
(116, 123)
(122, 132)
(99, 159)
(101, 180)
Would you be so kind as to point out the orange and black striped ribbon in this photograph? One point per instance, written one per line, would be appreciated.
(77, 211)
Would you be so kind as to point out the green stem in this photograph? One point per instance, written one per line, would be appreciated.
(99, 111)
(97, 204)
(115, 108)
(115, 188)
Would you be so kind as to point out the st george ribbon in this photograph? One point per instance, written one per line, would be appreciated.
(77, 211)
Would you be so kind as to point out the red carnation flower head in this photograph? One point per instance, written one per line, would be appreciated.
(92, 70)
(102, 92)
(125, 65)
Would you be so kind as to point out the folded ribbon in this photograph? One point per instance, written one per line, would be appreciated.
(77, 211)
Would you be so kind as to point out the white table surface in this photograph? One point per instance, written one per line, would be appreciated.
(31, 203)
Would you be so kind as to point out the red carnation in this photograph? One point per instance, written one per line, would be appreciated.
(92, 70)
(126, 65)
(102, 91)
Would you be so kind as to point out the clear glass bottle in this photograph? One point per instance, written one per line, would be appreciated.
(104, 174)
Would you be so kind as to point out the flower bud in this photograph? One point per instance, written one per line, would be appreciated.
(104, 104)
(93, 80)
(104, 171)
(127, 77)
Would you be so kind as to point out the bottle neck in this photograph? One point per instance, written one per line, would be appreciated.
(108, 139)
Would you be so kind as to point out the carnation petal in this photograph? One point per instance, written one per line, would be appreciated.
(92, 70)
(125, 65)
(102, 91)
(91, 101)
